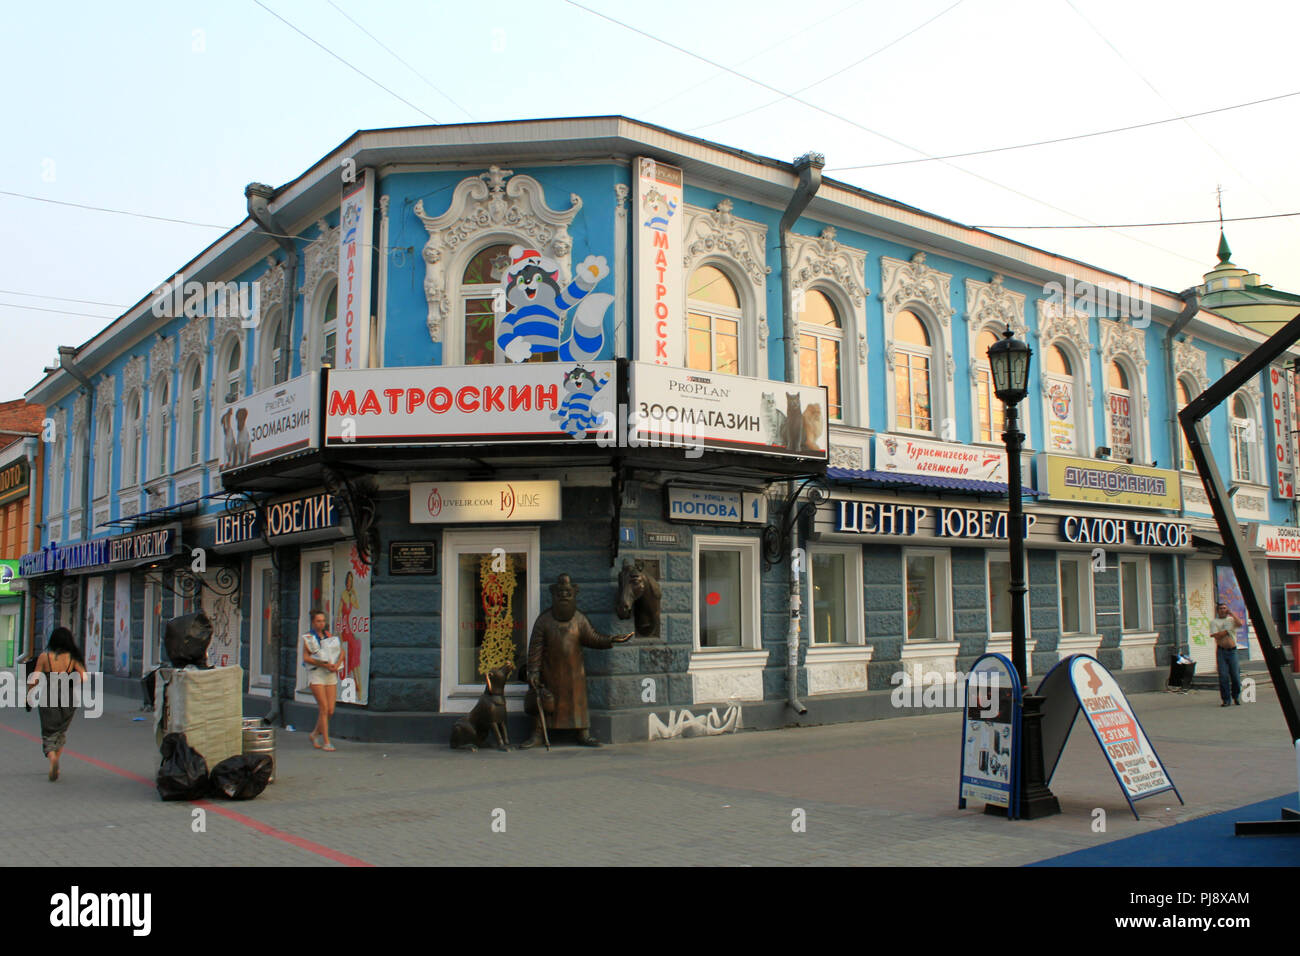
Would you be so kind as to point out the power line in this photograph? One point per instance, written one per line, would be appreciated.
(33, 308)
(60, 298)
(344, 62)
(831, 76)
(857, 125)
(1144, 225)
(1067, 139)
(119, 212)
(393, 53)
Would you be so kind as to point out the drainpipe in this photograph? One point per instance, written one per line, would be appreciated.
(258, 196)
(1191, 305)
(809, 169)
(66, 354)
(33, 543)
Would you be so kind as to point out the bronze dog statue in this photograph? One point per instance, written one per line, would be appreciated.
(488, 715)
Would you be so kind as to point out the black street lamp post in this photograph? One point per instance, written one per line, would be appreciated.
(1009, 363)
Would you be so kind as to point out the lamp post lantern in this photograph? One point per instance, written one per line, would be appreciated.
(1009, 362)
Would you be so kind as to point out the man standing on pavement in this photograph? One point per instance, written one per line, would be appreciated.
(1224, 629)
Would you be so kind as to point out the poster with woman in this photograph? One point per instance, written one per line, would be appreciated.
(350, 620)
(122, 625)
(94, 620)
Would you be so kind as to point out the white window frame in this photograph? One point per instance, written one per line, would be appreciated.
(855, 622)
(1136, 405)
(991, 307)
(1143, 563)
(464, 292)
(104, 453)
(819, 332)
(1087, 595)
(991, 556)
(943, 595)
(455, 697)
(927, 293)
(1079, 393)
(305, 561)
(132, 437)
(186, 426)
(712, 312)
(151, 654)
(269, 338)
(751, 608)
(258, 684)
(1184, 451)
(1250, 426)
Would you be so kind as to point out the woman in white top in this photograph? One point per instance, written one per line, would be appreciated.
(321, 653)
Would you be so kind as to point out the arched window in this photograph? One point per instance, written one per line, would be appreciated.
(480, 291)
(57, 470)
(274, 364)
(159, 427)
(232, 376)
(329, 329)
(988, 407)
(79, 439)
(192, 412)
(913, 396)
(1243, 439)
(713, 322)
(132, 435)
(1062, 393)
(1186, 462)
(1119, 414)
(104, 440)
(821, 342)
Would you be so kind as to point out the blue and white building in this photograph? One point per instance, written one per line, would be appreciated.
(394, 415)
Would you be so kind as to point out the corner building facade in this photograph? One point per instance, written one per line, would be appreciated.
(509, 351)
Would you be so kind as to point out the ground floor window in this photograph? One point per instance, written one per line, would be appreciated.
(726, 592)
(491, 595)
(261, 633)
(999, 578)
(926, 592)
(153, 625)
(314, 594)
(834, 589)
(1074, 573)
(1135, 593)
(8, 635)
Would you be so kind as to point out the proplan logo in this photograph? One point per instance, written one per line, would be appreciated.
(76, 909)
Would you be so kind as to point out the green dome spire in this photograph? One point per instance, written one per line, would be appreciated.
(1224, 252)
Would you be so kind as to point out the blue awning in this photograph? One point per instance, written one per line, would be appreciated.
(897, 480)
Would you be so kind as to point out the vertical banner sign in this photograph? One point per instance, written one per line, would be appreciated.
(355, 240)
(990, 724)
(350, 620)
(657, 252)
(1283, 419)
(94, 622)
(1060, 420)
(1121, 426)
(122, 625)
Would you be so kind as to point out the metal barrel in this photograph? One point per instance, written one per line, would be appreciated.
(259, 740)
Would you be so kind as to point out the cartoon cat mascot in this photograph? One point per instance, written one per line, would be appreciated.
(574, 415)
(537, 308)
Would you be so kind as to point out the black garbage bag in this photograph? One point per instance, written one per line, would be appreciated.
(187, 638)
(241, 777)
(183, 774)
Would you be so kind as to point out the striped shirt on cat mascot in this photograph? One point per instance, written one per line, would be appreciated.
(537, 307)
(580, 387)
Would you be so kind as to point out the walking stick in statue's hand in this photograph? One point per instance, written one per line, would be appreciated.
(541, 713)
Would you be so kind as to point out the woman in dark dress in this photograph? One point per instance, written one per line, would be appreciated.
(60, 661)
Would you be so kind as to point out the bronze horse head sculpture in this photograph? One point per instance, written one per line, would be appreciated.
(639, 596)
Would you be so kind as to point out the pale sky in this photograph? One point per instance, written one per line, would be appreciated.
(171, 109)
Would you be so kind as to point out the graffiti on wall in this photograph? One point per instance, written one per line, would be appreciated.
(683, 723)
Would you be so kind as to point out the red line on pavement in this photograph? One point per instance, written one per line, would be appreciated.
(264, 828)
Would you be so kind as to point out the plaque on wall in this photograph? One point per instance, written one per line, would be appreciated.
(412, 557)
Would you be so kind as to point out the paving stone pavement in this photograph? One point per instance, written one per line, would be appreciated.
(874, 793)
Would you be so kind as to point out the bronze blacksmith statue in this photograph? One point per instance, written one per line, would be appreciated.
(555, 672)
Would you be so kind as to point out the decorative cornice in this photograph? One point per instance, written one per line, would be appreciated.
(717, 232)
(907, 283)
(1119, 337)
(825, 259)
(194, 340)
(846, 456)
(320, 259)
(992, 303)
(1056, 322)
(133, 375)
(162, 356)
(106, 391)
(496, 201)
(1190, 361)
(1251, 388)
(271, 287)
(81, 413)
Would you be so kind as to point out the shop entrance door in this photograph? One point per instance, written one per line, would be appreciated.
(490, 598)
(9, 635)
(1200, 611)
